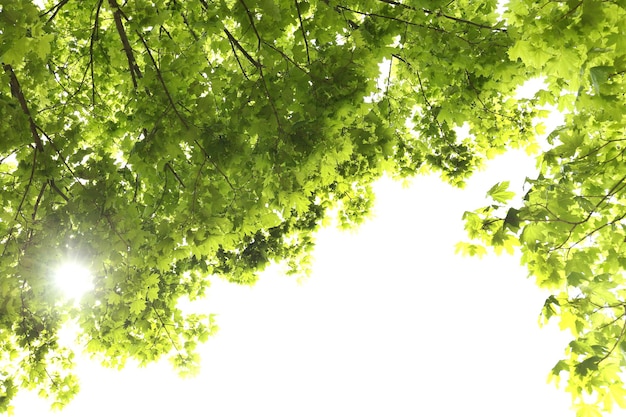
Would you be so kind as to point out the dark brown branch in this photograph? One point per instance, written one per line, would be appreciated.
(445, 16)
(251, 19)
(618, 186)
(195, 186)
(55, 9)
(205, 5)
(193, 33)
(406, 22)
(467, 22)
(58, 190)
(232, 46)
(160, 77)
(482, 103)
(619, 339)
(164, 326)
(30, 181)
(269, 98)
(43, 188)
(287, 57)
(16, 91)
(135, 72)
(572, 10)
(597, 229)
(92, 38)
(168, 166)
(236, 43)
(214, 164)
(422, 90)
(306, 42)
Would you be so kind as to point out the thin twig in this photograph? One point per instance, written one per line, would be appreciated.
(619, 339)
(55, 9)
(204, 4)
(168, 166)
(236, 43)
(445, 16)
(306, 42)
(251, 19)
(160, 77)
(214, 164)
(287, 57)
(30, 181)
(232, 46)
(43, 188)
(58, 190)
(92, 38)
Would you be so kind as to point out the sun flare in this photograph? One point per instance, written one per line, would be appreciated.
(73, 279)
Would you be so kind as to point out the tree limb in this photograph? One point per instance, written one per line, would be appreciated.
(306, 42)
(236, 43)
(92, 38)
(168, 166)
(55, 9)
(251, 19)
(135, 72)
(43, 188)
(445, 16)
(16, 91)
(58, 190)
(619, 339)
(160, 77)
(205, 5)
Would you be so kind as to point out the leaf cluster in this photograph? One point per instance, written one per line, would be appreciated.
(569, 226)
(168, 142)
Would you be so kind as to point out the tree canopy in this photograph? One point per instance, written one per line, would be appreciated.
(166, 142)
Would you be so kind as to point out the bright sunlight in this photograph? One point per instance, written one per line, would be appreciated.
(73, 279)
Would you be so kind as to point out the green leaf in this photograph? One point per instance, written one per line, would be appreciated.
(588, 365)
(152, 294)
(618, 392)
(499, 192)
(588, 410)
(575, 279)
(137, 306)
(599, 75)
(512, 218)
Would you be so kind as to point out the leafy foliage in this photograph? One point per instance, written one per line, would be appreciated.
(570, 225)
(167, 141)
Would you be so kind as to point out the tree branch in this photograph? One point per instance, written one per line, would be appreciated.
(445, 16)
(16, 91)
(251, 19)
(30, 181)
(306, 42)
(58, 190)
(619, 339)
(236, 43)
(43, 188)
(92, 38)
(55, 9)
(214, 164)
(406, 22)
(205, 5)
(232, 46)
(160, 78)
(287, 57)
(168, 166)
(135, 72)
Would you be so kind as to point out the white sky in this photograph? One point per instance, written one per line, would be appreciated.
(391, 323)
